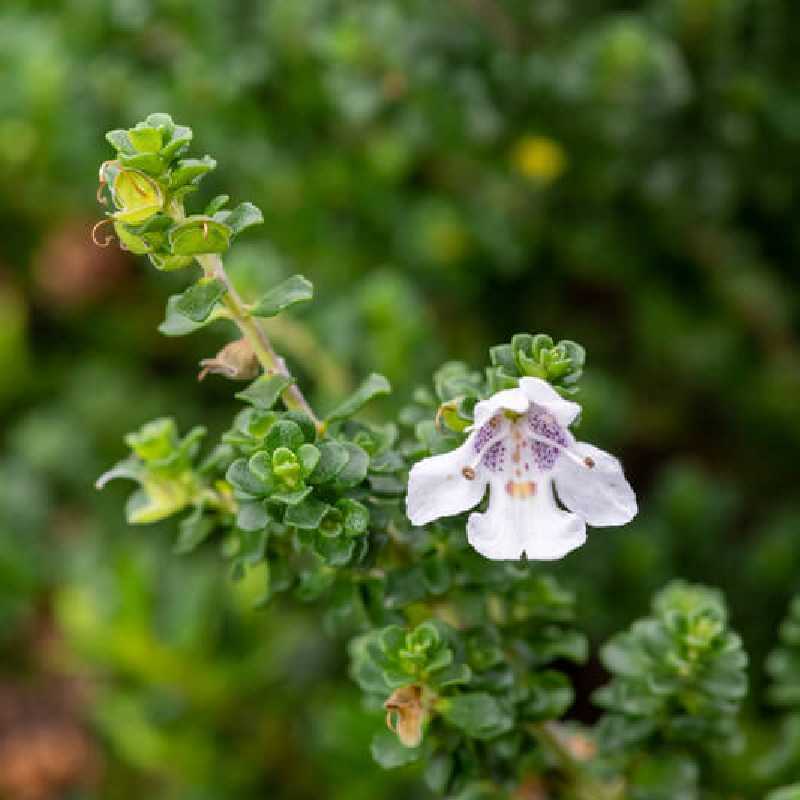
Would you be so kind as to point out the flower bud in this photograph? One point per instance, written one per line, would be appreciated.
(136, 196)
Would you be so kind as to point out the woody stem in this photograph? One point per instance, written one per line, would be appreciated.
(255, 334)
(251, 328)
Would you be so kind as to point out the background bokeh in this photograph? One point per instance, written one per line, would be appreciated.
(448, 174)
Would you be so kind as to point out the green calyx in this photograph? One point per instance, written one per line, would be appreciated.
(137, 197)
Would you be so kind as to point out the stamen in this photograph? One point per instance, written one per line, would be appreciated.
(108, 239)
(390, 724)
(468, 473)
(585, 462)
(205, 229)
(101, 198)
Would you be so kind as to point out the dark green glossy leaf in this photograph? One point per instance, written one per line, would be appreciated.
(264, 392)
(198, 301)
(373, 386)
(290, 292)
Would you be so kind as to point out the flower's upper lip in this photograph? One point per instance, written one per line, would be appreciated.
(531, 391)
(515, 400)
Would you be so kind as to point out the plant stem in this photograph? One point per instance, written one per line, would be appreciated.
(255, 334)
(550, 738)
(585, 785)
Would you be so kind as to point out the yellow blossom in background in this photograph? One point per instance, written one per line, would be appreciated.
(539, 158)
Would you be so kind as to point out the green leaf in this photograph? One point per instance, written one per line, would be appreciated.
(290, 292)
(120, 142)
(150, 163)
(437, 573)
(306, 424)
(157, 500)
(503, 356)
(438, 772)
(130, 241)
(178, 324)
(162, 121)
(169, 263)
(243, 480)
(292, 498)
(451, 675)
(193, 530)
(198, 301)
(784, 793)
(333, 458)
(373, 386)
(244, 216)
(307, 515)
(155, 441)
(478, 714)
(405, 585)
(355, 470)
(264, 392)
(309, 457)
(335, 551)
(216, 204)
(551, 695)
(389, 752)
(180, 139)
(252, 516)
(356, 516)
(190, 170)
(284, 434)
(145, 139)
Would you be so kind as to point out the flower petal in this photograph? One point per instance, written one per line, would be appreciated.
(509, 399)
(437, 486)
(517, 523)
(596, 488)
(543, 394)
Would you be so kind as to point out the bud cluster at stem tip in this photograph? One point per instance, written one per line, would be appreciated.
(148, 183)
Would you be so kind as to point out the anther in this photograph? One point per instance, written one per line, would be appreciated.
(468, 473)
(205, 229)
(589, 462)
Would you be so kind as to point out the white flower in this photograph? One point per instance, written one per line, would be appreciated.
(520, 446)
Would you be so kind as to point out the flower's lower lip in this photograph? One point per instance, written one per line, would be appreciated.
(520, 490)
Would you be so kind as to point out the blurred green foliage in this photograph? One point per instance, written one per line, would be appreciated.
(447, 174)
